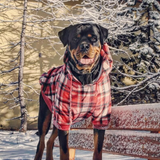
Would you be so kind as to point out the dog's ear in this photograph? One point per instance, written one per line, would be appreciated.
(103, 34)
(64, 35)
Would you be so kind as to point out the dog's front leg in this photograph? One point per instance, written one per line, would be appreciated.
(63, 141)
(98, 144)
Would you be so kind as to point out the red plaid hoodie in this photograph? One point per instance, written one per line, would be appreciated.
(70, 101)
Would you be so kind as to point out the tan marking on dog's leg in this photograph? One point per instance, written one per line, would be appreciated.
(41, 148)
(95, 154)
(41, 144)
(72, 153)
(50, 144)
(98, 144)
(64, 156)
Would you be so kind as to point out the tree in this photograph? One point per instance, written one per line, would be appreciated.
(37, 37)
(141, 69)
(23, 127)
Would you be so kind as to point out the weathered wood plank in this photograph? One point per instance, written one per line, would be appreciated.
(133, 117)
(130, 143)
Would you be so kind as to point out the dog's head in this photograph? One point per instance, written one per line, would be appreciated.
(84, 42)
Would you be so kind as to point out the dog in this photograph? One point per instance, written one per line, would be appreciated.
(76, 90)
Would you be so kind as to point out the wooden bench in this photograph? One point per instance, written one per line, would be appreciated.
(133, 131)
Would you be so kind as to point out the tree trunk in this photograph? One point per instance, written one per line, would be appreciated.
(23, 127)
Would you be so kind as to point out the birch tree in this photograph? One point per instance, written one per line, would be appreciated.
(20, 75)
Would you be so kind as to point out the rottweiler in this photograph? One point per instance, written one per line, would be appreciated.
(76, 90)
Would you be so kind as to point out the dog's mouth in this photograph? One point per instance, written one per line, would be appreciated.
(85, 60)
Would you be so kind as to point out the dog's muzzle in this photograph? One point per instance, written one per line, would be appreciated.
(85, 60)
(84, 47)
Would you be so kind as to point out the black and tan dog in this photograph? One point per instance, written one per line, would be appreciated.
(84, 60)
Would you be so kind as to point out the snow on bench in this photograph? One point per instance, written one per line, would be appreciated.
(128, 132)
(142, 116)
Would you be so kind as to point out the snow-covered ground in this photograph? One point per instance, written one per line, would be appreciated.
(18, 146)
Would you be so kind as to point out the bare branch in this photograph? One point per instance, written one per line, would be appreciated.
(9, 70)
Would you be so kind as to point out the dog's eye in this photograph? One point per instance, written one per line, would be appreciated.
(75, 39)
(93, 38)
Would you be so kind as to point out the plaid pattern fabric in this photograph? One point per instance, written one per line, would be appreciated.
(71, 102)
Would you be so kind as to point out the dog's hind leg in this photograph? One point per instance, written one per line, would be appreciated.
(50, 144)
(44, 121)
(98, 144)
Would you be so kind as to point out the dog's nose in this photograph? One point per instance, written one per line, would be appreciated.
(84, 47)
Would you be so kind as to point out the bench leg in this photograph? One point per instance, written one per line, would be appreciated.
(72, 154)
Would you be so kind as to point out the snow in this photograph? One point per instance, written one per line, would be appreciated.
(132, 116)
(20, 146)
(136, 116)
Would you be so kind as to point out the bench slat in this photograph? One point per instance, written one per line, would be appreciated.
(130, 143)
(132, 117)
